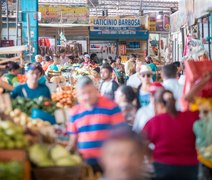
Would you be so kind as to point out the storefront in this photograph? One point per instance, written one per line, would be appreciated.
(63, 27)
(113, 36)
(159, 26)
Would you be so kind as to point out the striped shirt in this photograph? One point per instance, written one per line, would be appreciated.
(93, 126)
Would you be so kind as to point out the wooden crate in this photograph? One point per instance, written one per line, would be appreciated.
(17, 155)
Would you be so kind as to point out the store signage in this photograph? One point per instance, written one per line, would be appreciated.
(157, 22)
(65, 1)
(116, 21)
(64, 14)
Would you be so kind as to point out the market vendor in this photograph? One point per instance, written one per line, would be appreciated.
(13, 70)
(87, 60)
(32, 88)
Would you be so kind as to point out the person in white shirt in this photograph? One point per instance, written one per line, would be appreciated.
(134, 81)
(170, 82)
(144, 114)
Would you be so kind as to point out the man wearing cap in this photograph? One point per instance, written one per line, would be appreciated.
(32, 88)
(144, 114)
(91, 121)
(87, 60)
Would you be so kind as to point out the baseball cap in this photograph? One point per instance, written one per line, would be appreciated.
(154, 87)
(33, 66)
(87, 56)
(145, 69)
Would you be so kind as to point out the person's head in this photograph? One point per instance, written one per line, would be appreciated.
(123, 155)
(169, 72)
(62, 53)
(87, 58)
(125, 94)
(203, 57)
(118, 60)
(94, 57)
(13, 68)
(87, 93)
(47, 59)
(138, 66)
(70, 58)
(145, 74)
(33, 72)
(106, 72)
(96, 72)
(179, 66)
(165, 102)
(38, 58)
(132, 57)
(149, 60)
(110, 59)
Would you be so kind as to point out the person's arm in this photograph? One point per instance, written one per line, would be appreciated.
(197, 87)
(6, 86)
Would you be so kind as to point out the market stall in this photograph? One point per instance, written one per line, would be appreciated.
(121, 35)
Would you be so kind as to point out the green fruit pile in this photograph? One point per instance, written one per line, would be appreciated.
(11, 135)
(26, 105)
(12, 170)
(45, 156)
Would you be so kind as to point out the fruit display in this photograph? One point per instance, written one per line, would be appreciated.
(11, 135)
(57, 79)
(26, 105)
(37, 126)
(21, 78)
(13, 170)
(65, 97)
(43, 155)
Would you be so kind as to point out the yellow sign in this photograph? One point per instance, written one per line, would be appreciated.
(64, 14)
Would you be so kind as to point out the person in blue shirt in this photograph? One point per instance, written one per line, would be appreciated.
(151, 64)
(32, 88)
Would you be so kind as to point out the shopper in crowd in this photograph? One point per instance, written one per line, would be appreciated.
(130, 64)
(125, 97)
(119, 70)
(122, 156)
(150, 62)
(70, 60)
(110, 60)
(55, 65)
(13, 70)
(32, 88)
(39, 59)
(47, 62)
(108, 86)
(87, 61)
(96, 76)
(134, 81)
(174, 155)
(170, 82)
(143, 95)
(144, 114)
(5, 87)
(91, 121)
(94, 58)
(63, 57)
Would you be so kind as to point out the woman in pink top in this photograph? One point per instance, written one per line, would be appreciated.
(170, 131)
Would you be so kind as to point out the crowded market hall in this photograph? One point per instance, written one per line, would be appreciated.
(105, 90)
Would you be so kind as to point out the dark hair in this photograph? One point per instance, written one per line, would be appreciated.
(97, 69)
(169, 71)
(118, 57)
(169, 102)
(33, 66)
(12, 66)
(110, 58)
(47, 58)
(132, 56)
(149, 60)
(62, 50)
(177, 64)
(93, 55)
(108, 67)
(128, 92)
(125, 133)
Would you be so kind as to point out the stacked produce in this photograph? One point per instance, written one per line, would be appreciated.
(43, 155)
(12, 170)
(65, 97)
(21, 78)
(26, 105)
(11, 135)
